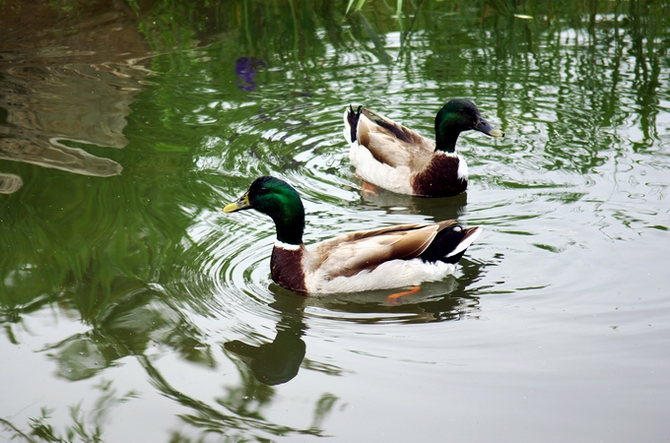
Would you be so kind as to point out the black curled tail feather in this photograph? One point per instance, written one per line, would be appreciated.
(352, 119)
(445, 243)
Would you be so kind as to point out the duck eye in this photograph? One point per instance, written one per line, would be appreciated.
(457, 228)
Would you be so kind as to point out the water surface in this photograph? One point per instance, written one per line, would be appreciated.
(133, 309)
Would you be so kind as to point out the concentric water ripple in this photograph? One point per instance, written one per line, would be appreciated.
(302, 143)
(543, 169)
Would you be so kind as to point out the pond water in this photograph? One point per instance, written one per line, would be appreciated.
(133, 309)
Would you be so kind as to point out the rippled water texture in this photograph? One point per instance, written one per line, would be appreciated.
(133, 309)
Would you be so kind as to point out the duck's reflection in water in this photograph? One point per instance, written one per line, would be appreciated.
(279, 361)
(438, 208)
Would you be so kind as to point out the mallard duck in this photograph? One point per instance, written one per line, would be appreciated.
(391, 156)
(385, 258)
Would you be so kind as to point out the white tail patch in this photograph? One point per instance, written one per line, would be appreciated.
(467, 241)
(347, 127)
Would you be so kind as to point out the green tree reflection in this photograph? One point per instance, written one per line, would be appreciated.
(134, 256)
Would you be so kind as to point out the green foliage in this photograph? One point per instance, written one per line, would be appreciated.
(359, 5)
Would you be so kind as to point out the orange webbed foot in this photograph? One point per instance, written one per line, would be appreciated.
(369, 189)
(393, 298)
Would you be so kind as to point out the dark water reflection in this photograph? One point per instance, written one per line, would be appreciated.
(120, 274)
(68, 96)
(50, 106)
(278, 361)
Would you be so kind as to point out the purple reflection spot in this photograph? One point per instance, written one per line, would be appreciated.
(245, 68)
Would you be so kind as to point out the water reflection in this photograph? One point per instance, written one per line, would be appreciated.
(127, 327)
(10, 183)
(66, 84)
(438, 209)
(130, 328)
(236, 413)
(246, 69)
(52, 105)
(87, 424)
(278, 361)
(143, 259)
